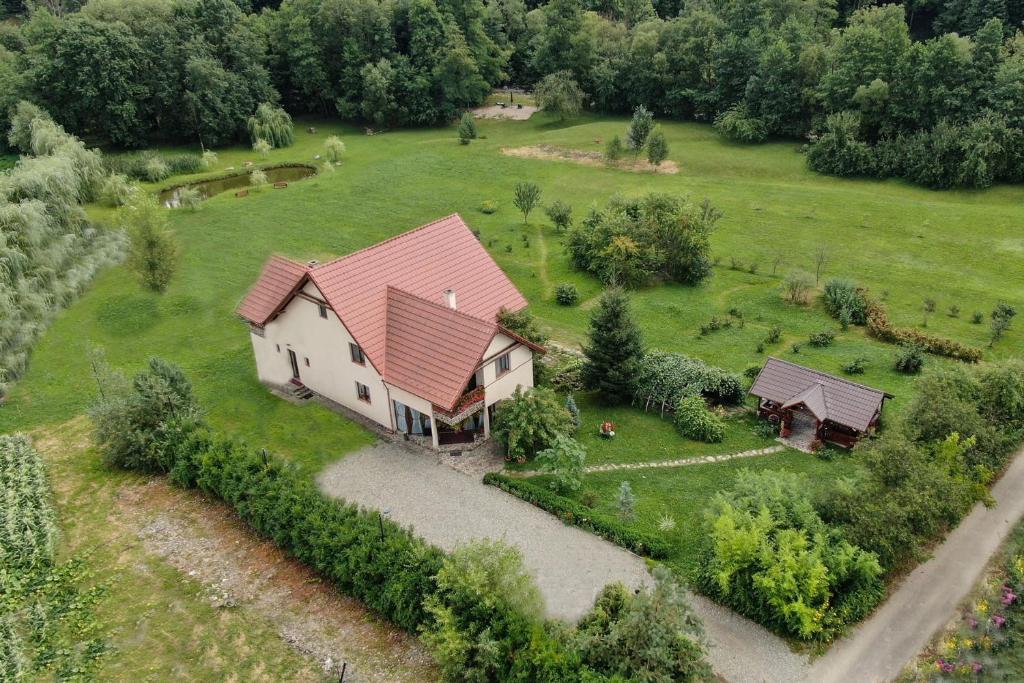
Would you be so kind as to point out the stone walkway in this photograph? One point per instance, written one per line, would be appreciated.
(699, 460)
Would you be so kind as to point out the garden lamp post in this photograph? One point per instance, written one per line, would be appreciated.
(386, 512)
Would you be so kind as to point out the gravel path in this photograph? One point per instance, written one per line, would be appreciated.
(448, 508)
(698, 460)
(879, 648)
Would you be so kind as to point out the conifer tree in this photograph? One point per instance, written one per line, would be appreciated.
(614, 351)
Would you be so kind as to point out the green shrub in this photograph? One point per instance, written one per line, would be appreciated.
(822, 338)
(560, 215)
(650, 635)
(564, 460)
(579, 515)
(695, 421)
(565, 374)
(856, 366)
(909, 360)
(530, 422)
(570, 405)
(115, 190)
(769, 556)
(774, 335)
(614, 149)
(844, 301)
(664, 379)
(488, 206)
(738, 124)
(133, 420)
(467, 129)
(566, 294)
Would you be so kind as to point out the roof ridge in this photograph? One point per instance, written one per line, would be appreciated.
(821, 372)
(441, 306)
(390, 239)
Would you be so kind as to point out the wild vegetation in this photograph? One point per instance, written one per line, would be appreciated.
(49, 251)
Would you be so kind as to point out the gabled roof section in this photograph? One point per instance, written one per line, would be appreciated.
(423, 262)
(432, 350)
(278, 282)
(827, 396)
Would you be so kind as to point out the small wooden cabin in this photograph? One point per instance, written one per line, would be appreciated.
(815, 406)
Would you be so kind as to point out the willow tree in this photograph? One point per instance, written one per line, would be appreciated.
(272, 124)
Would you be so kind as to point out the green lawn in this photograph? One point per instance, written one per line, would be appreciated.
(682, 493)
(959, 248)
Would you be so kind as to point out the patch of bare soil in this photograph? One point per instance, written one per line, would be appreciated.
(496, 112)
(203, 539)
(576, 156)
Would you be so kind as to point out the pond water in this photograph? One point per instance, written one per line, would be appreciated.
(208, 188)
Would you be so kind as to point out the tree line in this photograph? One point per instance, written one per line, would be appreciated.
(928, 91)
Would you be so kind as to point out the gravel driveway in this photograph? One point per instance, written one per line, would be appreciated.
(448, 508)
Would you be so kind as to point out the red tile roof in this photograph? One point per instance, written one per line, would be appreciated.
(280, 279)
(378, 292)
(430, 349)
(424, 262)
(827, 396)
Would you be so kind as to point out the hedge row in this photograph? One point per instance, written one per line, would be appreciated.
(393, 575)
(881, 328)
(576, 514)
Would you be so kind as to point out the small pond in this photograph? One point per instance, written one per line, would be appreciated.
(208, 188)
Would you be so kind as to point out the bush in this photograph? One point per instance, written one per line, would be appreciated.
(822, 338)
(881, 328)
(769, 556)
(909, 360)
(566, 373)
(657, 148)
(153, 251)
(566, 294)
(651, 635)
(530, 422)
(774, 335)
(797, 287)
(488, 206)
(635, 240)
(483, 613)
(564, 460)
(844, 301)
(695, 421)
(133, 421)
(155, 169)
(574, 410)
(115, 190)
(663, 379)
(856, 366)
(578, 515)
(560, 214)
(613, 150)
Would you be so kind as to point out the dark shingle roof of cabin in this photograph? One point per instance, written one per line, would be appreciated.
(827, 396)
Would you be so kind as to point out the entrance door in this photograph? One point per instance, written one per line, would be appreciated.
(295, 363)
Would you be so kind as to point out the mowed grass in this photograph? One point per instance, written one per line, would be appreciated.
(960, 248)
(682, 494)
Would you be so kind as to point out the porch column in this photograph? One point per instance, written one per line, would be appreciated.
(433, 430)
(487, 421)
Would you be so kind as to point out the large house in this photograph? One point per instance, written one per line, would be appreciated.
(404, 332)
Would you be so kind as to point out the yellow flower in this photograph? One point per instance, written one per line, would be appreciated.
(950, 646)
(968, 643)
(986, 643)
(982, 606)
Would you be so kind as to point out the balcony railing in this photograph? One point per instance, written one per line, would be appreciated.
(469, 403)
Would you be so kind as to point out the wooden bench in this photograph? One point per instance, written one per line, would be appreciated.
(280, 184)
(242, 193)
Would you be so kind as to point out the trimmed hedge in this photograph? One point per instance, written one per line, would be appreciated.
(338, 539)
(666, 378)
(571, 512)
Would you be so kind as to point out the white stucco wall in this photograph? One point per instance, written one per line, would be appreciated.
(325, 342)
(520, 373)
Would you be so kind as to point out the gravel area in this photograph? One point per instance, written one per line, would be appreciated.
(448, 508)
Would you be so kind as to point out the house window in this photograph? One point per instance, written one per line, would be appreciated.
(278, 347)
(323, 310)
(363, 392)
(503, 364)
(307, 362)
(357, 354)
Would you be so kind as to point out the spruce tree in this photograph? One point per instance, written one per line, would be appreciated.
(614, 351)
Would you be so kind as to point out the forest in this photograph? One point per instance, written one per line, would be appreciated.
(930, 90)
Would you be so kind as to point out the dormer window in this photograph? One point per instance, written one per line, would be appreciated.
(323, 310)
(357, 354)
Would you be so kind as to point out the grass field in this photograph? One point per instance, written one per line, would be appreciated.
(959, 248)
(682, 493)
